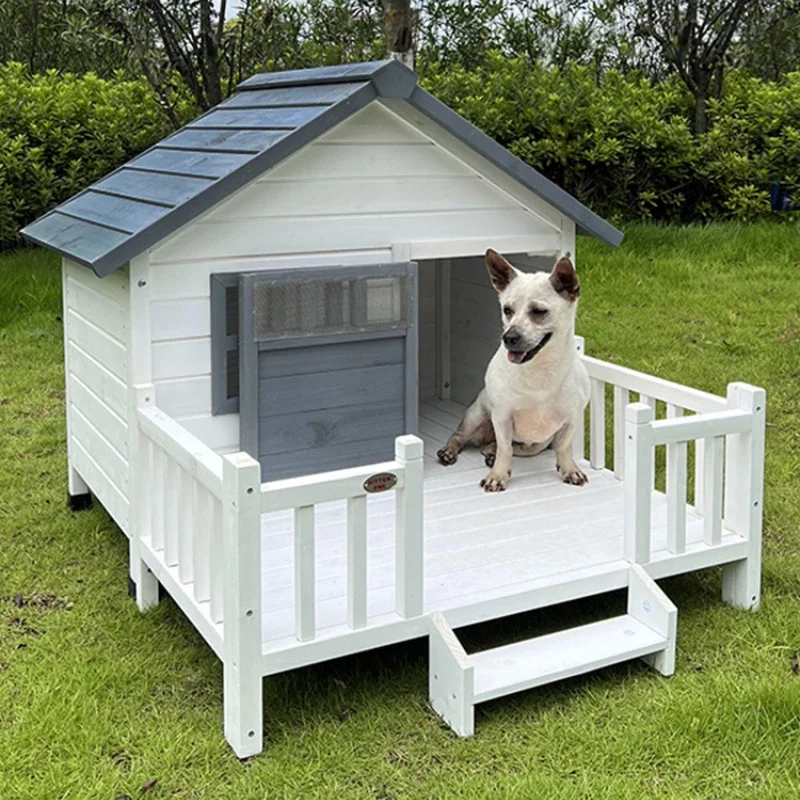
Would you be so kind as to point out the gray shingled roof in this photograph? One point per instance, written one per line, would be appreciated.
(269, 117)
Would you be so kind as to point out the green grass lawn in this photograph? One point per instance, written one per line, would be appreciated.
(97, 700)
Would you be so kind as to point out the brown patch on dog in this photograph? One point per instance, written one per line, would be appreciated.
(564, 279)
(500, 271)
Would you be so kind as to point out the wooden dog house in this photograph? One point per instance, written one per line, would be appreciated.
(274, 317)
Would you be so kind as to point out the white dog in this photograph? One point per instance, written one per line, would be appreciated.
(536, 388)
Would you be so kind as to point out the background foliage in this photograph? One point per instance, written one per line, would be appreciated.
(580, 89)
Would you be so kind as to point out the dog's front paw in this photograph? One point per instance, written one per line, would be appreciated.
(495, 482)
(575, 476)
(447, 456)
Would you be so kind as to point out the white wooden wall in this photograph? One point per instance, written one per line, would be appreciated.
(96, 344)
(372, 182)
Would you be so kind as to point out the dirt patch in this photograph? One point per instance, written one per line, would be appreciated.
(46, 602)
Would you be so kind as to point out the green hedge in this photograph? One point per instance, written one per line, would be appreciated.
(624, 147)
(59, 133)
(618, 143)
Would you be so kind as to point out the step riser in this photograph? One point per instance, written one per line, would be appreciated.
(458, 681)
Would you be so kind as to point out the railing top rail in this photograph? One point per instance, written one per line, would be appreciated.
(705, 426)
(324, 487)
(668, 391)
(196, 458)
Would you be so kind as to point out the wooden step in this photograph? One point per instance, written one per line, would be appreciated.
(459, 681)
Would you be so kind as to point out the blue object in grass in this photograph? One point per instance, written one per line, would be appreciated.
(779, 198)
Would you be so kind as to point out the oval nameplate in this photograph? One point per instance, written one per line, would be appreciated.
(381, 482)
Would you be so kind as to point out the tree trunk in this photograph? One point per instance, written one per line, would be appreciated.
(701, 86)
(399, 21)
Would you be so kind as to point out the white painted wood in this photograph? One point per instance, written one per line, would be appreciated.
(107, 386)
(181, 358)
(667, 391)
(242, 605)
(649, 605)
(443, 361)
(744, 491)
(597, 425)
(113, 286)
(676, 489)
(113, 500)
(186, 527)
(409, 529)
(324, 486)
(621, 400)
(451, 677)
(701, 426)
(96, 307)
(304, 579)
(699, 476)
(113, 464)
(157, 484)
(712, 481)
(506, 240)
(639, 481)
(142, 396)
(196, 613)
(557, 656)
(357, 562)
(579, 443)
(188, 452)
(203, 519)
(271, 235)
(219, 433)
(216, 563)
(180, 319)
(104, 349)
(172, 483)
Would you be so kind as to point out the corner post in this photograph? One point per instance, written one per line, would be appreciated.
(409, 529)
(744, 495)
(241, 535)
(578, 442)
(145, 584)
(638, 481)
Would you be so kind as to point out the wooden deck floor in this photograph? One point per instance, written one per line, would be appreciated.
(478, 546)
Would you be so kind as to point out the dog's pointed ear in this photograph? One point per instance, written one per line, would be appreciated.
(564, 279)
(500, 271)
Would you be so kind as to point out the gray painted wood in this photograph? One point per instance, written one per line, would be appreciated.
(291, 96)
(231, 141)
(290, 465)
(329, 404)
(319, 75)
(156, 187)
(110, 210)
(330, 357)
(343, 387)
(199, 165)
(220, 402)
(62, 233)
(310, 430)
(259, 118)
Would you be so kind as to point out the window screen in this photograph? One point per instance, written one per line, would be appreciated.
(284, 309)
(225, 343)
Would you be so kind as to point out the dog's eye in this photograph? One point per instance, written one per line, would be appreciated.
(536, 312)
(508, 311)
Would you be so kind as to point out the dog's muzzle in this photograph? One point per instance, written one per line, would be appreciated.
(523, 356)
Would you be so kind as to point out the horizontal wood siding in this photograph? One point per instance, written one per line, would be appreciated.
(367, 184)
(329, 406)
(96, 350)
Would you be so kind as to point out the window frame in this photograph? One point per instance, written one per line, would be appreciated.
(222, 343)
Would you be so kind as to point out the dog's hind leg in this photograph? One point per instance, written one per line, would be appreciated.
(565, 461)
(475, 429)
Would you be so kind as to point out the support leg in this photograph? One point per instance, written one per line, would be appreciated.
(741, 582)
(143, 586)
(78, 496)
(244, 709)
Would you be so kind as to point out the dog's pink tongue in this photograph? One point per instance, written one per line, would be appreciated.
(515, 358)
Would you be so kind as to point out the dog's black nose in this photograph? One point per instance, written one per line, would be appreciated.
(511, 338)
